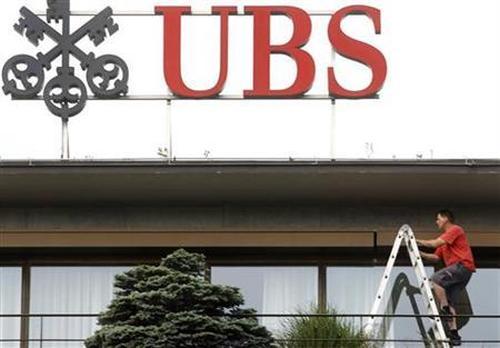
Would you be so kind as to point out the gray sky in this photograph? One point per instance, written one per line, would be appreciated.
(440, 98)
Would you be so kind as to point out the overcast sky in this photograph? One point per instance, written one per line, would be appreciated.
(440, 99)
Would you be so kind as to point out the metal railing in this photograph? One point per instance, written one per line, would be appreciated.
(40, 341)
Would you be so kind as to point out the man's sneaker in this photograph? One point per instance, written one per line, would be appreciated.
(455, 339)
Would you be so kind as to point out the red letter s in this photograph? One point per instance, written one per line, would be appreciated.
(358, 51)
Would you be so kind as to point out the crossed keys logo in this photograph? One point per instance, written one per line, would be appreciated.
(65, 95)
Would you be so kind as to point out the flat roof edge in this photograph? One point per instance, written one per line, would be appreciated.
(145, 162)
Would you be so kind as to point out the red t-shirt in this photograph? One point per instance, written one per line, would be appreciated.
(456, 249)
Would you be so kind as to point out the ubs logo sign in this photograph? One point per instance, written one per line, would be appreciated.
(65, 95)
(107, 76)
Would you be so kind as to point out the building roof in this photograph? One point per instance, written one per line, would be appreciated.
(139, 182)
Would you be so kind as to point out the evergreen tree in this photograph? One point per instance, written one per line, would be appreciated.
(173, 305)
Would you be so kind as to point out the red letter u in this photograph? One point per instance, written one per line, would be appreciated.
(172, 50)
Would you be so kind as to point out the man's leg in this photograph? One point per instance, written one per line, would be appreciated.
(442, 280)
(453, 322)
(440, 294)
(444, 305)
(447, 284)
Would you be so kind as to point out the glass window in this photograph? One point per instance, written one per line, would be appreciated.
(352, 290)
(69, 290)
(272, 290)
(484, 298)
(10, 303)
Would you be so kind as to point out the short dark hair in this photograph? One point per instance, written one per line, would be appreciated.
(447, 213)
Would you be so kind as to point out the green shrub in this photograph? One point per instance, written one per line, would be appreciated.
(321, 332)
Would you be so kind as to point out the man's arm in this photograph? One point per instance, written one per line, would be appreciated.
(430, 257)
(431, 243)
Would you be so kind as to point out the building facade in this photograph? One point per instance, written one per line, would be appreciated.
(290, 234)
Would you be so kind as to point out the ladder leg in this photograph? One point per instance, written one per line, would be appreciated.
(384, 282)
(406, 233)
(424, 284)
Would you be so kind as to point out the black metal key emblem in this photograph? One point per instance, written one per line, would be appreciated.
(65, 95)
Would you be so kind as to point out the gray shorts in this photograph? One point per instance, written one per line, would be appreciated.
(453, 279)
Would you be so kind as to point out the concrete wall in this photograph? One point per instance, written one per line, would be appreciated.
(232, 225)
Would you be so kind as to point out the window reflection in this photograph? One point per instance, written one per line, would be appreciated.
(272, 290)
(352, 290)
(69, 290)
(10, 303)
(267, 289)
(484, 294)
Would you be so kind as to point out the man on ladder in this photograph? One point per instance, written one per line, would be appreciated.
(453, 248)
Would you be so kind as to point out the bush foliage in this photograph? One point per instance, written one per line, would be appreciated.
(173, 305)
(321, 332)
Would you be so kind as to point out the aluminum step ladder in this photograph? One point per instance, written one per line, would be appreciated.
(405, 234)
